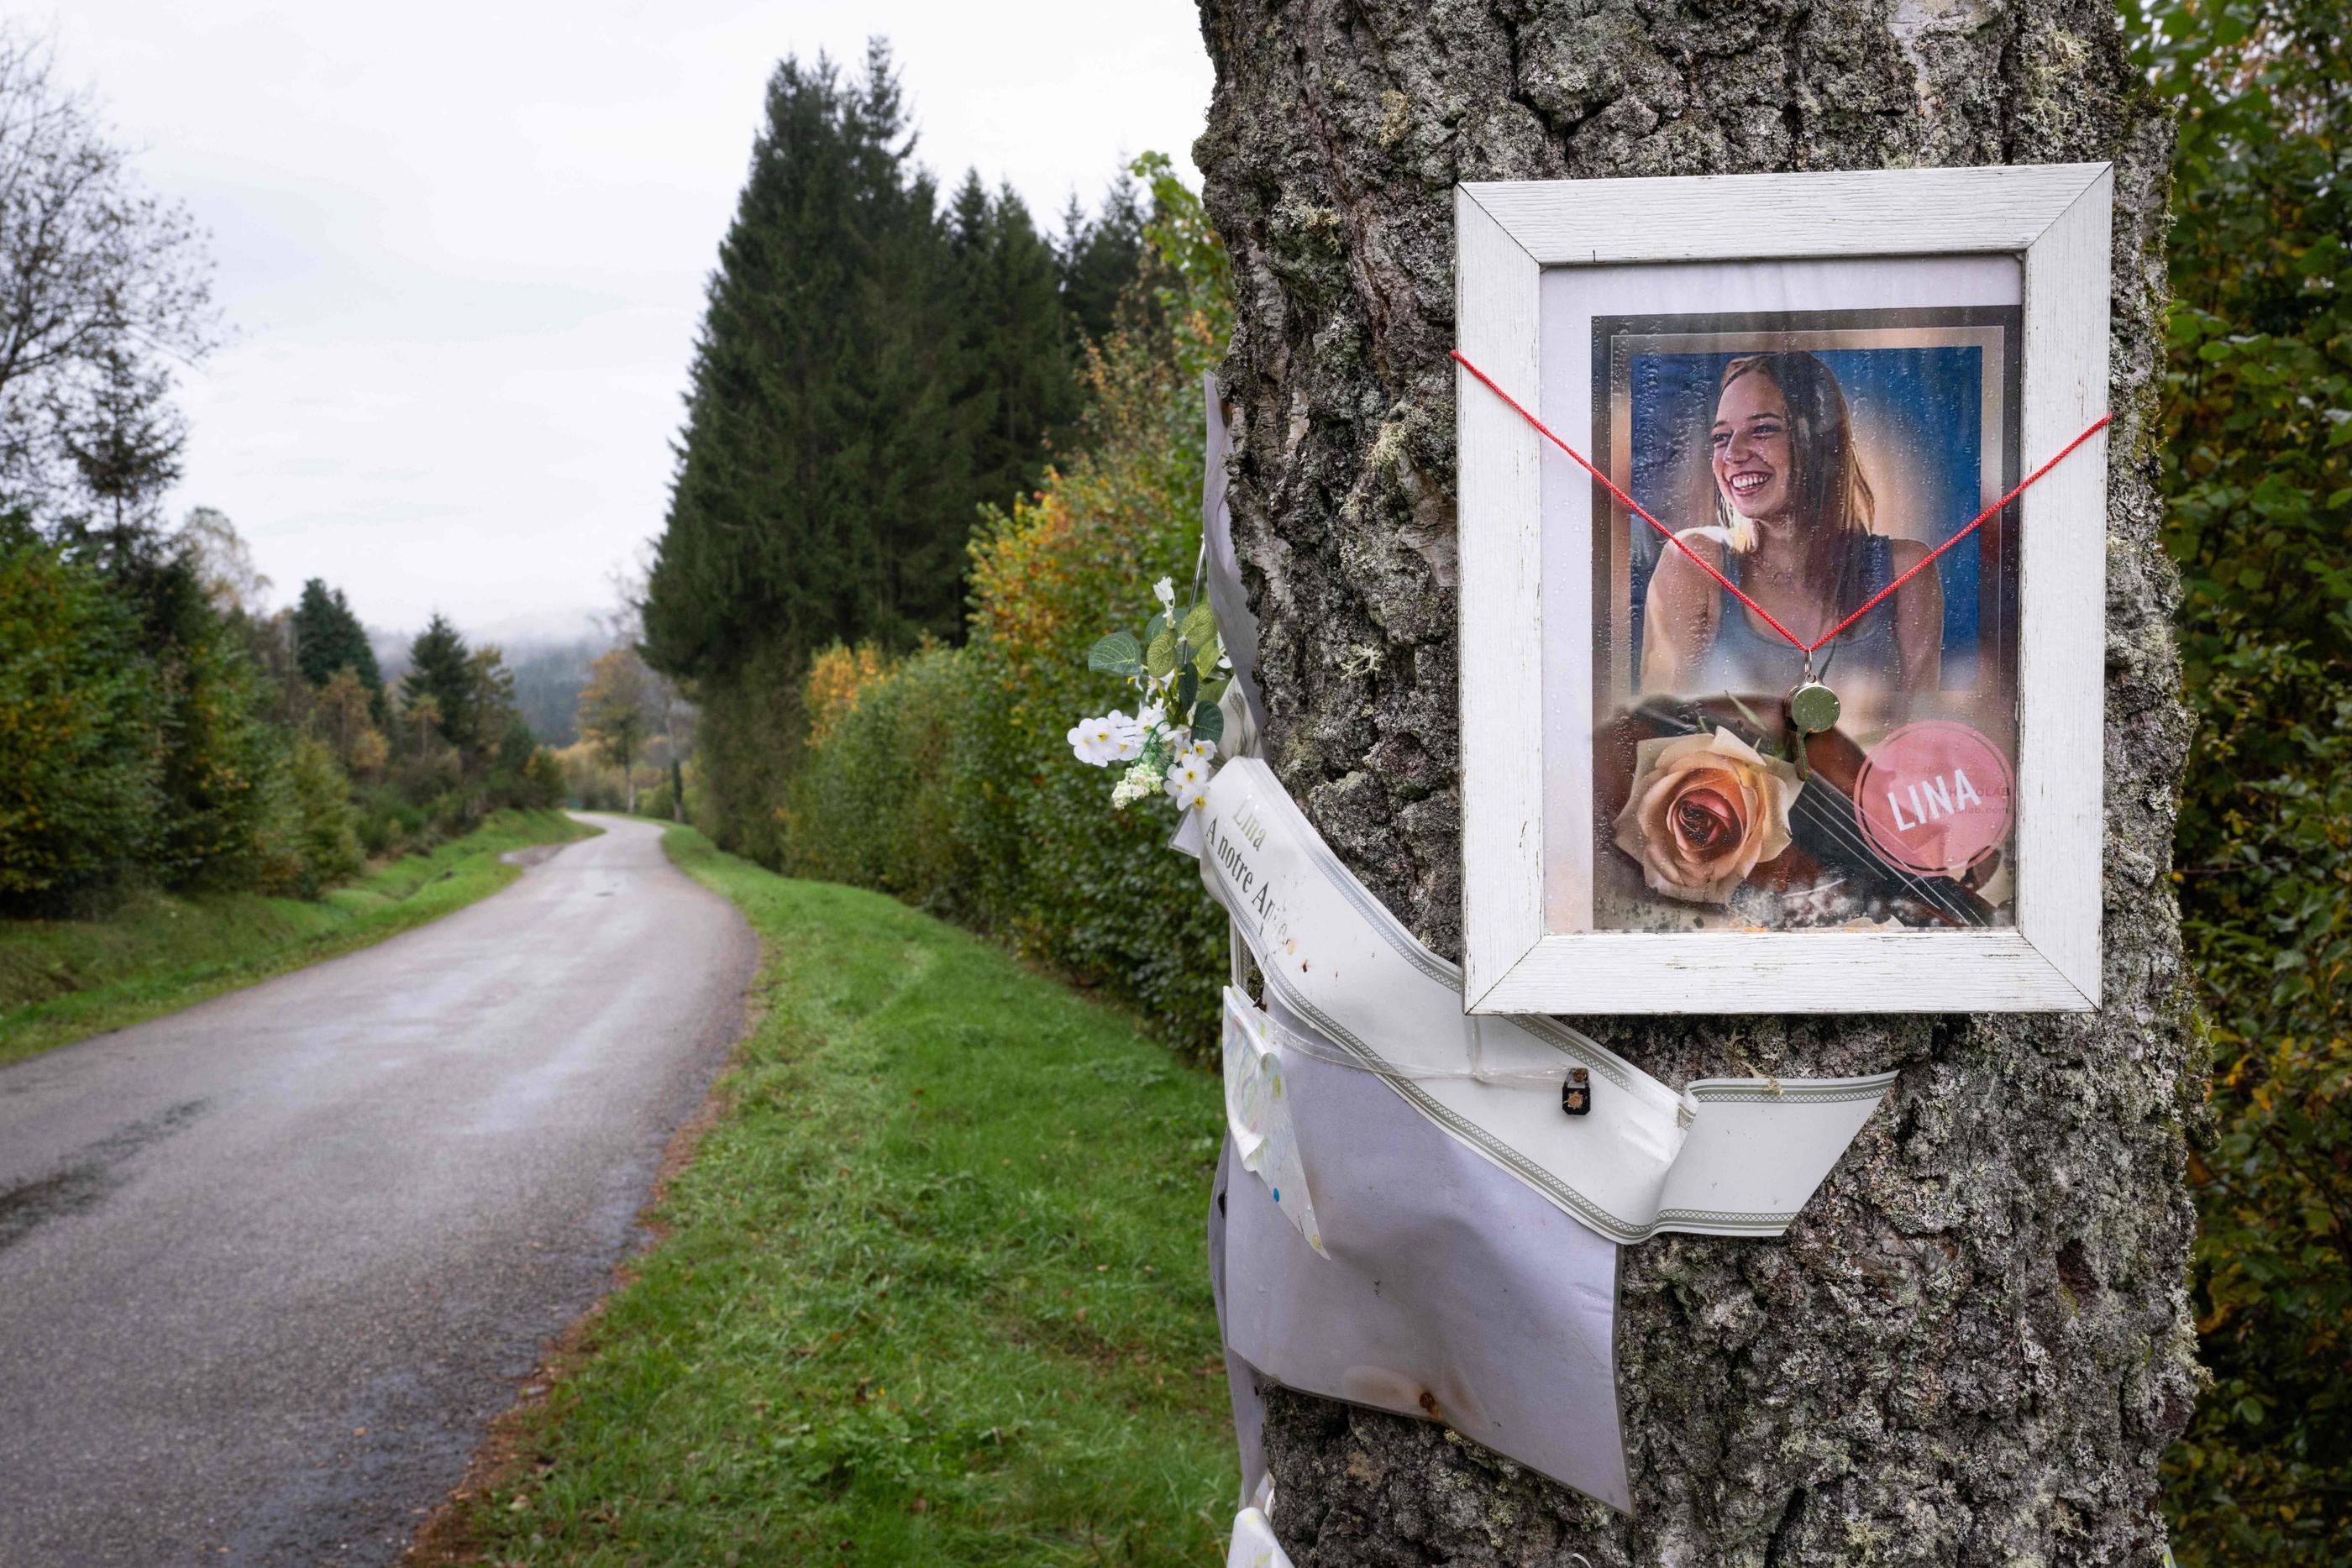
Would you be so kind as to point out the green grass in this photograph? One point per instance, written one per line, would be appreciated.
(62, 980)
(934, 1290)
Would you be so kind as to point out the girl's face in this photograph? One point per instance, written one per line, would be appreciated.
(1752, 446)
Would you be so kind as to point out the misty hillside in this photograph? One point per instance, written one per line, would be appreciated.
(548, 675)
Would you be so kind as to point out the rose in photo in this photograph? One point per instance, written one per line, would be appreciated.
(1705, 810)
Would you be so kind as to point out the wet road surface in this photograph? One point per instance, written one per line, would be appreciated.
(268, 1266)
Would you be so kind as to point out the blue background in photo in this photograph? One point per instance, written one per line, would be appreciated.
(1923, 407)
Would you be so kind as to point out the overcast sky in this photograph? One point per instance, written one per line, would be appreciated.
(463, 244)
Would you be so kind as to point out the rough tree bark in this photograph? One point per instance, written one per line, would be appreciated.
(1975, 1345)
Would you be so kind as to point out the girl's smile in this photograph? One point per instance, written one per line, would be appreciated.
(1751, 448)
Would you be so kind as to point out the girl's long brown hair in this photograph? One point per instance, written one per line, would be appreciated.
(1829, 485)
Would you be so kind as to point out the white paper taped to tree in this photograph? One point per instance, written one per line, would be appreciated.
(1726, 1157)
(1257, 1113)
(1449, 1289)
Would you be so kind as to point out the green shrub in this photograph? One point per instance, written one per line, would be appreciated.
(327, 820)
(227, 814)
(542, 780)
(79, 796)
(390, 822)
(2258, 478)
(882, 803)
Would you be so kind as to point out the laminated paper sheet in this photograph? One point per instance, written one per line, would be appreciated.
(1467, 1227)
(1452, 1290)
(1257, 1113)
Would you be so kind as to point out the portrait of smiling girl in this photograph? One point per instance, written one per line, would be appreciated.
(1794, 528)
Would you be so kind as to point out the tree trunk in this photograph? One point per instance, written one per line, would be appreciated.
(1974, 1344)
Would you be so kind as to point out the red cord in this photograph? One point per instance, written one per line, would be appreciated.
(1732, 588)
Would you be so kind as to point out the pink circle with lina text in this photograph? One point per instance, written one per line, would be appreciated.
(1936, 797)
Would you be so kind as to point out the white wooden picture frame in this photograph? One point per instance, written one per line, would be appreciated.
(1519, 495)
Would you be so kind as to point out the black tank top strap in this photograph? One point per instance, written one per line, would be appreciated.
(1762, 660)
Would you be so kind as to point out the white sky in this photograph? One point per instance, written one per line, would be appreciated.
(463, 246)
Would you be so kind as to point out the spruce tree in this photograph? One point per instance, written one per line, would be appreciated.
(870, 372)
(328, 637)
(440, 666)
(816, 495)
(1018, 390)
(1099, 258)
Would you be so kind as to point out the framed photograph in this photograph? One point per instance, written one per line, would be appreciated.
(1783, 509)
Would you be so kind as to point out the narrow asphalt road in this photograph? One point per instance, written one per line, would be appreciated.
(268, 1266)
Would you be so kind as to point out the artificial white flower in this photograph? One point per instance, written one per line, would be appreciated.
(1126, 736)
(1141, 781)
(1110, 737)
(1090, 742)
(1164, 590)
(1152, 717)
(1204, 752)
(1188, 779)
(1187, 785)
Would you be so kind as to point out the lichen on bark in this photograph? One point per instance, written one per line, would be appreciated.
(1975, 1343)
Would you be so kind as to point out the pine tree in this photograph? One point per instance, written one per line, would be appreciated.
(1099, 258)
(328, 637)
(871, 371)
(124, 448)
(814, 498)
(79, 774)
(1018, 388)
(441, 667)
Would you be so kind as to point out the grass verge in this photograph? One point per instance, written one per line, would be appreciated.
(933, 1289)
(63, 980)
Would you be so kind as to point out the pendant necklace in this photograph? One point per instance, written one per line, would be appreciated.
(1812, 710)
(1810, 707)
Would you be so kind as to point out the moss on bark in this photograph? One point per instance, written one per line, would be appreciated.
(1975, 1344)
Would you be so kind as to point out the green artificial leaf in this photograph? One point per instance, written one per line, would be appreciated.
(1208, 721)
(1753, 722)
(1188, 687)
(1206, 659)
(1119, 654)
(1153, 627)
(1160, 660)
(1201, 626)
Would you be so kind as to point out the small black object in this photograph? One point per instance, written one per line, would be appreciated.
(1576, 1092)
